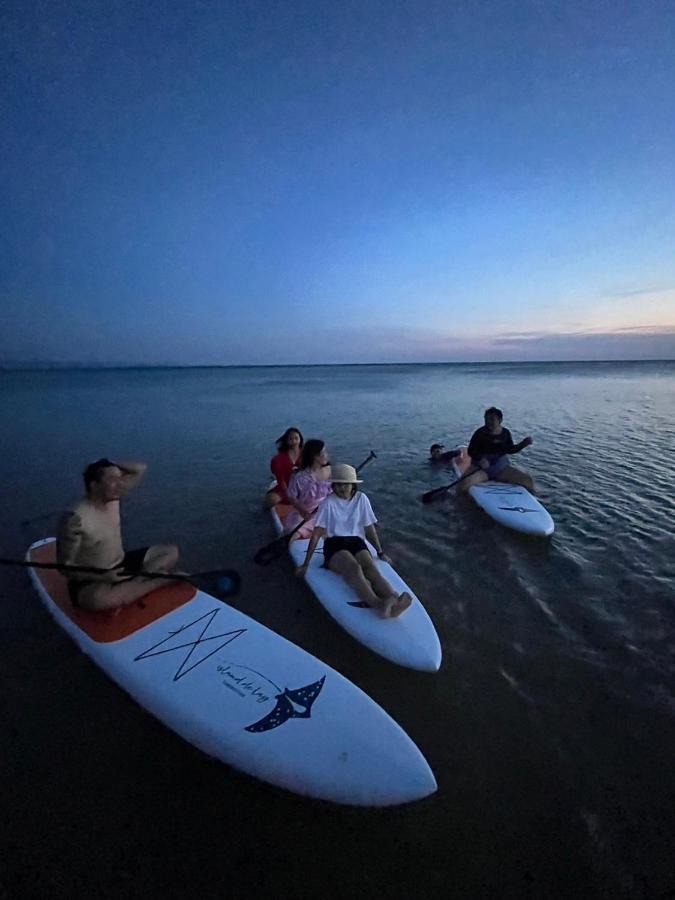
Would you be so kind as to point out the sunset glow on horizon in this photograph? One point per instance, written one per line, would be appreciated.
(310, 182)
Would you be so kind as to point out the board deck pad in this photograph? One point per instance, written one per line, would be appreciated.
(106, 626)
(249, 697)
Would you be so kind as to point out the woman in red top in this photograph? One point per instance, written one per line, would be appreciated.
(289, 446)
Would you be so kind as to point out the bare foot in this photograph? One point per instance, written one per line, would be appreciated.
(403, 601)
(387, 606)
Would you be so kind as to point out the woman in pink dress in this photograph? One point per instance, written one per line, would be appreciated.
(308, 487)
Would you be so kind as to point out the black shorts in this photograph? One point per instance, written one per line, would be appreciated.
(131, 563)
(133, 560)
(333, 545)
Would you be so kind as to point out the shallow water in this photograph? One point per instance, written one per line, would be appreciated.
(551, 725)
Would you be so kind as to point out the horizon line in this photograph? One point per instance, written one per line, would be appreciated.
(89, 366)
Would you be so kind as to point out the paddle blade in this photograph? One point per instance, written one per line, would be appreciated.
(220, 583)
(272, 551)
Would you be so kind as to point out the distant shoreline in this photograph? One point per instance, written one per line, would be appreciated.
(83, 367)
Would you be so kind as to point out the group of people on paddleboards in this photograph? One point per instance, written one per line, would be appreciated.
(313, 499)
(316, 500)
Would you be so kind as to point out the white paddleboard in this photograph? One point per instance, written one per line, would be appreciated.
(509, 504)
(243, 694)
(409, 640)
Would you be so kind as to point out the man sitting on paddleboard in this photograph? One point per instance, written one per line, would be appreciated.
(90, 535)
(490, 448)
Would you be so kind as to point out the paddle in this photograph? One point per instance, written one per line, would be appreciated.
(430, 496)
(278, 546)
(221, 583)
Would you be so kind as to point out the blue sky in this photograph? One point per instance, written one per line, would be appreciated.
(292, 182)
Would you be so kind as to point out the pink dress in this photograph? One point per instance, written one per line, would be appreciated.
(305, 488)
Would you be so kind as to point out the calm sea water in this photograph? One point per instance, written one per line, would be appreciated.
(551, 725)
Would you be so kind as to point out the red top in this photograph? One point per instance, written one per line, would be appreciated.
(282, 468)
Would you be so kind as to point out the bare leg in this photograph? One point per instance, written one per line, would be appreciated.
(391, 604)
(123, 593)
(511, 475)
(345, 565)
(378, 582)
(106, 595)
(271, 499)
(160, 558)
(475, 478)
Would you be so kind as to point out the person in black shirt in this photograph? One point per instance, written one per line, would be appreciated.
(490, 448)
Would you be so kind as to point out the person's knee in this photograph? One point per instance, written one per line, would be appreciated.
(366, 561)
(344, 563)
(476, 478)
(165, 554)
(174, 554)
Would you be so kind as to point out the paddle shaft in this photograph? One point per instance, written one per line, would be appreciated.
(93, 569)
(426, 498)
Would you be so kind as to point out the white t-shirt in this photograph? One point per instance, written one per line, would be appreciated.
(345, 518)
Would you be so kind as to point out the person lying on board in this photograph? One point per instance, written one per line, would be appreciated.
(490, 448)
(309, 485)
(89, 534)
(438, 454)
(344, 520)
(289, 448)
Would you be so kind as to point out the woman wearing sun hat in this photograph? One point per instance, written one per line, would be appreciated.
(344, 520)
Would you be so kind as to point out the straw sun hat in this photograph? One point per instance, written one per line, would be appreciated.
(344, 474)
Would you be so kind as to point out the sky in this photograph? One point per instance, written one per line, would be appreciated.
(322, 182)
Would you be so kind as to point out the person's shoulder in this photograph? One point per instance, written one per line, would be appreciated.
(78, 507)
(72, 515)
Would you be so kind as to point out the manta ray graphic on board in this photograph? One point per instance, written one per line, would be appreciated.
(291, 704)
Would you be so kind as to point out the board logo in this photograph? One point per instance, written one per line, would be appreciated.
(192, 639)
(291, 704)
(196, 646)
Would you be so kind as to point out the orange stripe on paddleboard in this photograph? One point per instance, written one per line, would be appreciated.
(110, 625)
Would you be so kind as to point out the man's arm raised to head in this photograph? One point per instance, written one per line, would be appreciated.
(132, 473)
